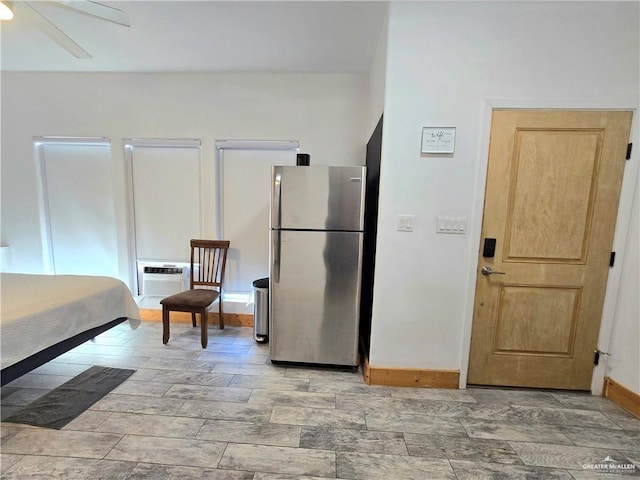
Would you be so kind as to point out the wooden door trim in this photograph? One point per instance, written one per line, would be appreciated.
(490, 104)
(622, 396)
(409, 377)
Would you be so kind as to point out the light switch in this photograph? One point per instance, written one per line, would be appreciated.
(451, 225)
(405, 223)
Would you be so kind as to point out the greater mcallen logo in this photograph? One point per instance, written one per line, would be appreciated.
(610, 465)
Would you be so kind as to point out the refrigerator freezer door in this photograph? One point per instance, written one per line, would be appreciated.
(315, 299)
(318, 198)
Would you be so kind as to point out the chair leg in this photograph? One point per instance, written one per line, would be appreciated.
(165, 325)
(203, 327)
(220, 314)
(193, 318)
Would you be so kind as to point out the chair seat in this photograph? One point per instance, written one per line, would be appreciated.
(196, 298)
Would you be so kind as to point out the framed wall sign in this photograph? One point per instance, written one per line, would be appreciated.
(438, 139)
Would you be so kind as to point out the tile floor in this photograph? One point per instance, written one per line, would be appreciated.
(227, 413)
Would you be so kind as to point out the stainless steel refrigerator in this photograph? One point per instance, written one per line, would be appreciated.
(317, 221)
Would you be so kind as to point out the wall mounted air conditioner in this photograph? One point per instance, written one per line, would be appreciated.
(162, 279)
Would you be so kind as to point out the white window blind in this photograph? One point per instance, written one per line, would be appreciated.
(166, 200)
(246, 193)
(79, 222)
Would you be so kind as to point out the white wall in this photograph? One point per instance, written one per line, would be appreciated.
(447, 64)
(377, 81)
(624, 363)
(326, 113)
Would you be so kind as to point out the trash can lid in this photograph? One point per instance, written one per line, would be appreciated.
(261, 283)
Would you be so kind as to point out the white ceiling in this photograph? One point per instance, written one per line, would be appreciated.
(203, 36)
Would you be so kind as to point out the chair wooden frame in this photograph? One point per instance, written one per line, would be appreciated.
(208, 263)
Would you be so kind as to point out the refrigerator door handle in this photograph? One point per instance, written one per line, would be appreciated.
(276, 256)
(277, 197)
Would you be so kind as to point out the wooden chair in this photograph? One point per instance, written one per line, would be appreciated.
(208, 261)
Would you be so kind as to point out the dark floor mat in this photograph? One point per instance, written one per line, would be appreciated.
(63, 404)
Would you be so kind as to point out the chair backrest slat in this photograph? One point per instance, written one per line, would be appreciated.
(208, 261)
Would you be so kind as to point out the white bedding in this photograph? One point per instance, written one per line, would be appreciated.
(37, 311)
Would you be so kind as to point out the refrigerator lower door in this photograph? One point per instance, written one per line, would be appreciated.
(314, 296)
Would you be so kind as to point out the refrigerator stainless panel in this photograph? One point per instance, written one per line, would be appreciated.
(318, 198)
(315, 298)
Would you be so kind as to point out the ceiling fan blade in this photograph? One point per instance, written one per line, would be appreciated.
(98, 10)
(52, 30)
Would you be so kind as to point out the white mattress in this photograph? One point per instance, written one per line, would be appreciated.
(37, 311)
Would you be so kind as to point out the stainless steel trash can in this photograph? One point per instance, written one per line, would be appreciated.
(261, 310)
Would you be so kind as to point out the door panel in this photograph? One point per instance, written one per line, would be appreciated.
(522, 306)
(554, 179)
(553, 184)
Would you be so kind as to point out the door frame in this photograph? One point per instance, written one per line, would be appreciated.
(622, 223)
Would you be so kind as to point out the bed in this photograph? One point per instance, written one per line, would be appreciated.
(43, 316)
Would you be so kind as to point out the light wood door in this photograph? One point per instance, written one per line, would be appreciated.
(553, 184)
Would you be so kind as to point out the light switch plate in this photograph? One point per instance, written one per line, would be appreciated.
(405, 223)
(456, 225)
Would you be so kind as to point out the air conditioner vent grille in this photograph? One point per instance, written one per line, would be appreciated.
(163, 270)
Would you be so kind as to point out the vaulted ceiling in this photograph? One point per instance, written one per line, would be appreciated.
(201, 36)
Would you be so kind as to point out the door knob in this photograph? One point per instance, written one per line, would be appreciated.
(486, 271)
